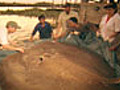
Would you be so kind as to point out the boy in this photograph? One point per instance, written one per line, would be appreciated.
(4, 41)
(44, 29)
(82, 35)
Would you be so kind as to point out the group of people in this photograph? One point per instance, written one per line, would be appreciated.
(43, 27)
(98, 38)
(102, 39)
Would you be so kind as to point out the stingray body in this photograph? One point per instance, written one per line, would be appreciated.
(55, 66)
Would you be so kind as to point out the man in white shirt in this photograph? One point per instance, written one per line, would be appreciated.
(62, 21)
(11, 27)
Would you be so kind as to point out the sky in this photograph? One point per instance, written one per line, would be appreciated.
(35, 1)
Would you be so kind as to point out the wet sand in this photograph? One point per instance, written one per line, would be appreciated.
(63, 68)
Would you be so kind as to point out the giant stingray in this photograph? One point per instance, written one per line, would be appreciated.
(55, 66)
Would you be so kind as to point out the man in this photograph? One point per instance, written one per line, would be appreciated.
(4, 41)
(82, 35)
(63, 17)
(44, 29)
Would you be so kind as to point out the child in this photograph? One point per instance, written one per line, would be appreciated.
(44, 29)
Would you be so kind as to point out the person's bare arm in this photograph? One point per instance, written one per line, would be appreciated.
(113, 35)
(31, 38)
(34, 32)
(9, 47)
(13, 43)
(58, 31)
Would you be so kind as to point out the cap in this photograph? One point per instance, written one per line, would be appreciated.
(111, 5)
(73, 19)
(13, 24)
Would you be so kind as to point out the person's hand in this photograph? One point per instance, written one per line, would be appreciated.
(20, 50)
(55, 36)
(107, 39)
(97, 33)
(76, 33)
(31, 39)
(14, 43)
(113, 48)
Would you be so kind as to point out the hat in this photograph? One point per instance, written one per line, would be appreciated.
(111, 5)
(13, 24)
(73, 19)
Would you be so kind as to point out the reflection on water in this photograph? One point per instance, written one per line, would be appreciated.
(27, 25)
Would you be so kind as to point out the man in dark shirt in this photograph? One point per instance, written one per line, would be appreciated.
(82, 35)
(44, 29)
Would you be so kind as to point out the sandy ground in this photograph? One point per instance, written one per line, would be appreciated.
(63, 68)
